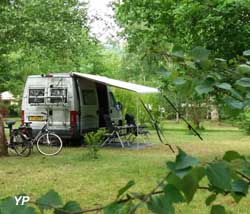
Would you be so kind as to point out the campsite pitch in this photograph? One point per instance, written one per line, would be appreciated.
(94, 182)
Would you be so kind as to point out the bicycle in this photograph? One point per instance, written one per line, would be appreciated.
(22, 140)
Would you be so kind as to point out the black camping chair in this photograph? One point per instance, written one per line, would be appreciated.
(131, 124)
(114, 132)
(133, 129)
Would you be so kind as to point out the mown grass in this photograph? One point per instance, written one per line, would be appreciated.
(95, 182)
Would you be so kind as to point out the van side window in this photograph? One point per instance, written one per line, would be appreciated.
(58, 95)
(112, 98)
(89, 97)
(36, 95)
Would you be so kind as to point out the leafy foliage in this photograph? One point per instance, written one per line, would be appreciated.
(8, 206)
(49, 200)
(41, 37)
(70, 206)
(94, 140)
(244, 120)
(181, 40)
(220, 26)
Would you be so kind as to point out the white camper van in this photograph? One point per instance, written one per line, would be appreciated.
(75, 104)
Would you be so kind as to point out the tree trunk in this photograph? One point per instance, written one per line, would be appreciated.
(177, 117)
(196, 115)
(215, 114)
(3, 146)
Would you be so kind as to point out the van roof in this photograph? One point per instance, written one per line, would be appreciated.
(51, 75)
(141, 89)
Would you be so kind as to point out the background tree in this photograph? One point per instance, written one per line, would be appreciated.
(218, 25)
(43, 36)
(3, 147)
(174, 36)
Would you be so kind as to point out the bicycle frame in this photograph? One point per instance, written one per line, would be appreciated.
(43, 130)
(22, 141)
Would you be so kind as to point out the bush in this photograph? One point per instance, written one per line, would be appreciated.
(14, 110)
(245, 121)
(94, 140)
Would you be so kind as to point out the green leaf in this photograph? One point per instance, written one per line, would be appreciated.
(210, 199)
(175, 180)
(218, 209)
(189, 187)
(203, 89)
(191, 181)
(244, 82)
(236, 94)
(240, 187)
(237, 197)
(125, 188)
(247, 104)
(173, 194)
(160, 205)
(235, 104)
(113, 208)
(246, 170)
(51, 198)
(232, 155)
(8, 206)
(248, 95)
(179, 81)
(246, 53)
(177, 51)
(219, 175)
(220, 60)
(225, 86)
(200, 54)
(182, 164)
(163, 71)
(184, 161)
(69, 206)
(245, 69)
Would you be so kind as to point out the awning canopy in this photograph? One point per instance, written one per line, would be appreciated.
(141, 89)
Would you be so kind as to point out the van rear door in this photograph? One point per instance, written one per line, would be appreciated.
(58, 106)
(47, 94)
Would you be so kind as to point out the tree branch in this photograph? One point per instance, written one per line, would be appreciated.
(243, 175)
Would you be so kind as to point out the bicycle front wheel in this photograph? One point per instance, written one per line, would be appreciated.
(49, 144)
(19, 145)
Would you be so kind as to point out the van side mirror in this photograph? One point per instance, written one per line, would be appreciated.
(118, 106)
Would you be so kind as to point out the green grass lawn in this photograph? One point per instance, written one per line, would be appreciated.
(96, 182)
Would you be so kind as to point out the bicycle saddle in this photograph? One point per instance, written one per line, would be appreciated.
(10, 123)
(27, 123)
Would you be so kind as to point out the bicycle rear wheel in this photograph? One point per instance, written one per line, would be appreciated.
(49, 144)
(19, 145)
